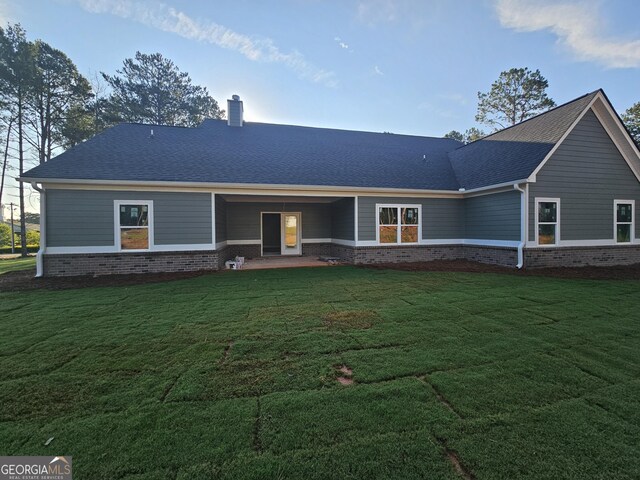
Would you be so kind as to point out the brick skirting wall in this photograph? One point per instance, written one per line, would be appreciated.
(505, 256)
(417, 253)
(581, 256)
(124, 263)
(157, 262)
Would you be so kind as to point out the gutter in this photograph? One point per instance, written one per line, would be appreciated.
(268, 189)
(523, 223)
(43, 238)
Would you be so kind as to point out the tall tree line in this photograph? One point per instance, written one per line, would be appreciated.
(47, 106)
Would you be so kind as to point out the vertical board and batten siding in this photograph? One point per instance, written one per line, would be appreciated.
(493, 217)
(442, 218)
(587, 173)
(221, 219)
(343, 219)
(85, 217)
(243, 219)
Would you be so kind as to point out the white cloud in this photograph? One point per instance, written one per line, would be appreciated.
(168, 19)
(455, 98)
(377, 70)
(373, 12)
(341, 44)
(577, 26)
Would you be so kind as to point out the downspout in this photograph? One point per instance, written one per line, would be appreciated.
(523, 223)
(43, 230)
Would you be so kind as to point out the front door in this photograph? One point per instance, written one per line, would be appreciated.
(290, 237)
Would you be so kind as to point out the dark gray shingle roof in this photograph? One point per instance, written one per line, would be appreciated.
(515, 152)
(257, 153)
(260, 153)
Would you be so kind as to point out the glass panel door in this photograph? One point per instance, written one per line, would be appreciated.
(291, 234)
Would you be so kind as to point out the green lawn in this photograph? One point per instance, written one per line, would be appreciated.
(14, 264)
(233, 375)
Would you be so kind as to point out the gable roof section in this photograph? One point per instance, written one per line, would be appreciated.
(514, 153)
(284, 155)
(257, 153)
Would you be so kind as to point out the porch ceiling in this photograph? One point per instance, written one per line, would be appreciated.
(277, 199)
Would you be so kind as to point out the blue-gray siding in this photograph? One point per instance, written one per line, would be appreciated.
(342, 219)
(442, 218)
(85, 217)
(243, 219)
(493, 217)
(587, 173)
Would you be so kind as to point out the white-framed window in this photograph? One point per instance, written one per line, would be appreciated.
(624, 221)
(547, 221)
(133, 225)
(398, 224)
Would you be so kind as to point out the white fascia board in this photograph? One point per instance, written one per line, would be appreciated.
(263, 189)
(244, 188)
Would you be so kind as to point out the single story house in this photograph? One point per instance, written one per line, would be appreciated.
(558, 189)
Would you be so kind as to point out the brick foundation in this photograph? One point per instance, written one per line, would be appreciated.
(418, 253)
(426, 253)
(505, 256)
(125, 263)
(157, 262)
(582, 256)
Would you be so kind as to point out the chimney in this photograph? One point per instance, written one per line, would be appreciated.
(234, 111)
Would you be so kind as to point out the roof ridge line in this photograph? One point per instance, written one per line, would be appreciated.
(334, 129)
(532, 118)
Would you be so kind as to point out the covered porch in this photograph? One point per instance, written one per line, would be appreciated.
(261, 226)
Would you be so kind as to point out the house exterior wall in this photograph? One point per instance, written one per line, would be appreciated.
(77, 218)
(343, 219)
(243, 219)
(442, 218)
(493, 217)
(587, 173)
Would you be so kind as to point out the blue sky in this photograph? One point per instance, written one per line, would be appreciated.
(403, 66)
(383, 65)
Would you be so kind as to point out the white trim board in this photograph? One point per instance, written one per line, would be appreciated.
(310, 241)
(558, 225)
(632, 224)
(117, 228)
(399, 225)
(113, 249)
(585, 243)
(261, 189)
(240, 188)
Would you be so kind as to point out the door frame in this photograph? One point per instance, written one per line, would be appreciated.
(283, 237)
(282, 214)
